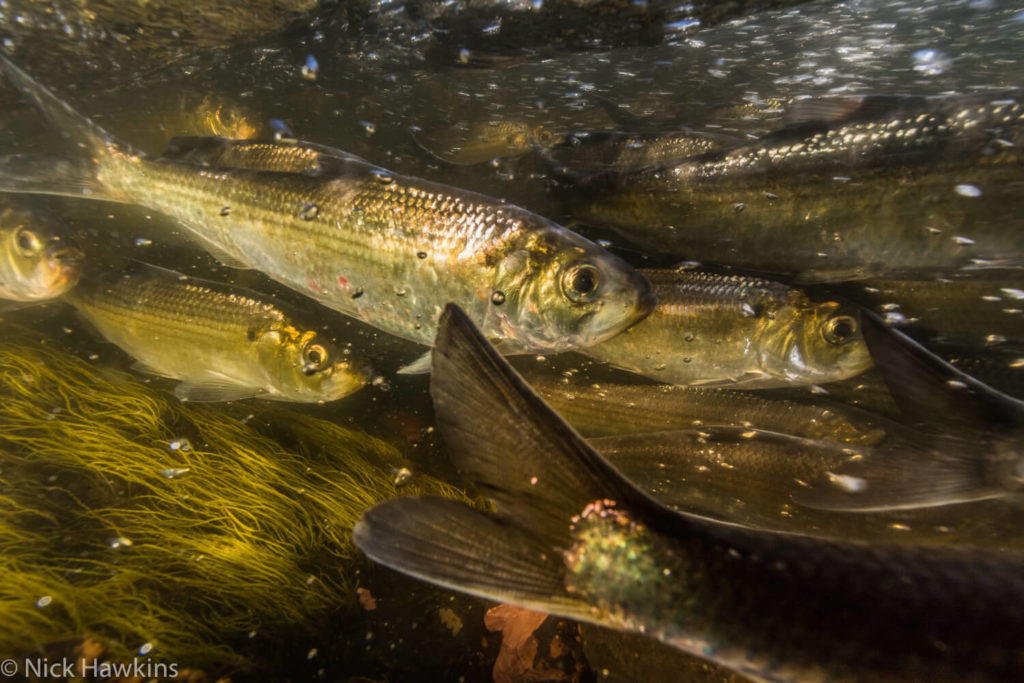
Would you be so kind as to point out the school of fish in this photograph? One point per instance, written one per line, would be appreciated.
(778, 427)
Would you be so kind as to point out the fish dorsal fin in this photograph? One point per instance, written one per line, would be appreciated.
(285, 156)
(531, 462)
(930, 391)
(829, 110)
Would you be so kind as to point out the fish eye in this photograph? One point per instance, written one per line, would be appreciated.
(28, 243)
(580, 281)
(840, 329)
(314, 357)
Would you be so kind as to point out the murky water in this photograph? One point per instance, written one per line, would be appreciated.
(394, 84)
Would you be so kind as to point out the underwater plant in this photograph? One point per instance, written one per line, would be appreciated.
(143, 522)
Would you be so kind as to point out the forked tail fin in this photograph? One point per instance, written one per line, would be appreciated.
(538, 471)
(75, 176)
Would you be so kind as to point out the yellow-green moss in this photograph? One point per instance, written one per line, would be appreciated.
(146, 520)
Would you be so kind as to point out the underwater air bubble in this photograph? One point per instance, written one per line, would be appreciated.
(847, 483)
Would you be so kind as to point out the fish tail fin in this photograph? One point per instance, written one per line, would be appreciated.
(536, 469)
(42, 175)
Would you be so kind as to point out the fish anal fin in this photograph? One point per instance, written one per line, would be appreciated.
(211, 388)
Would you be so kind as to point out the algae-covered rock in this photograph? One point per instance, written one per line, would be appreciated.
(145, 522)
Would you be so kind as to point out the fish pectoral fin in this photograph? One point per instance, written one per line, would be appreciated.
(211, 388)
(420, 366)
(450, 544)
(902, 478)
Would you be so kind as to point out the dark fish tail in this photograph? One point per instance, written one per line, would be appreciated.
(74, 177)
(538, 471)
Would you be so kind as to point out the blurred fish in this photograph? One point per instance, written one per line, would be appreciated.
(608, 409)
(756, 478)
(223, 343)
(735, 331)
(874, 190)
(570, 536)
(38, 261)
(596, 152)
(387, 249)
(473, 143)
(984, 309)
(986, 460)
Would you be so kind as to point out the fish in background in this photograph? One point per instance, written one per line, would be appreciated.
(387, 249)
(735, 331)
(221, 342)
(570, 536)
(614, 408)
(983, 431)
(38, 260)
(853, 188)
(982, 308)
(582, 153)
(473, 143)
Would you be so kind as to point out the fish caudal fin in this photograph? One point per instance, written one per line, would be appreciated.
(538, 471)
(41, 175)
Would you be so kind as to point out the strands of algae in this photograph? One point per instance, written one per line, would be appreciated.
(134, 518)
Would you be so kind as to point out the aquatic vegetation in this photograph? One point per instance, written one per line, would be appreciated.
(130, 516)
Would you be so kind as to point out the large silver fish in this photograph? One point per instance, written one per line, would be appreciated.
(387, 249)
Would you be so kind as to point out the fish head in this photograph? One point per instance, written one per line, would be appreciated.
(305, 366)
(560, 292)
(37, 262)
(812, 342)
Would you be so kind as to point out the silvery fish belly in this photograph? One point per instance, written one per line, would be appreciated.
(37, 259)
(222, 342)
(715, 330)
(387, 249)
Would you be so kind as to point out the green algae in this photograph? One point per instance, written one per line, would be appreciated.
(133, 518)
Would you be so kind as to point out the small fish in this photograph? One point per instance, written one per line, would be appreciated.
(611, 408)
(387, 249)
(984, 428)
(715, 330)
(894, 187)
(224, 343)
(474, 143)
(582, 153)
(570, 536)
(38, 261)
